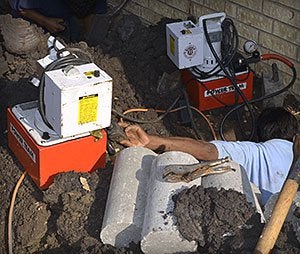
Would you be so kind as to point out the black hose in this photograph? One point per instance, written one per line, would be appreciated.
(232, 80)
(60, 63)
(258, 100)
(229, 50)
(189, 110)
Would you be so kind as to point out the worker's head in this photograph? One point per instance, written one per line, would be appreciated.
(276, 122)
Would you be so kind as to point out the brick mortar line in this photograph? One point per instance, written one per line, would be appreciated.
(273, 18)
(284, 6)
(240, 21)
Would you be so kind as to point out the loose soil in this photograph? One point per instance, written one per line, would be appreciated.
(66, 218)
(222, 221)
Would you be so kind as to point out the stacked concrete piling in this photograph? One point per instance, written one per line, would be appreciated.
(140, 205)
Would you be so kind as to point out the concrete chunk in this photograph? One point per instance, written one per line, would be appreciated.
(159, 222)
(125, 206)
(140, 202)
(236, 180)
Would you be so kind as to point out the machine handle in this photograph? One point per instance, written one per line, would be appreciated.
(220, 15)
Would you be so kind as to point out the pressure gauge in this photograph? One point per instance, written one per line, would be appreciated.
(250, 46)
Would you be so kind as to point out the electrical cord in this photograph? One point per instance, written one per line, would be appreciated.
(229, 50)
(190, 113)
(207, 120)
(54, 46)
(144, 121)
(123, 115)
(214, 96)
(200, 81)
(60, 63)
(234, 42)
(264, 57)
(230, 77)
(10, 213)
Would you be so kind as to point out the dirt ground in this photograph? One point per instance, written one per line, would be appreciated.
(207, 215)
(67, 218)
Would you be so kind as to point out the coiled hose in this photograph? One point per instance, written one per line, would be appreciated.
(60, 63)
(264, 57)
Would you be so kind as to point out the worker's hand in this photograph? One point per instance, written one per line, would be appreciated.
(136, 136)
(54, 25)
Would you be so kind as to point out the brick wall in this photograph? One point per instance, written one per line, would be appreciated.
(273, 24)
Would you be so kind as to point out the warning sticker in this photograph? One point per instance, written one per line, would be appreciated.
(89, 74)
(172, 45)
(88, 108)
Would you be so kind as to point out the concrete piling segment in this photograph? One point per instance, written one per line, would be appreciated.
(237, 180)
(159, 222)
(140, 205)
(125, 206)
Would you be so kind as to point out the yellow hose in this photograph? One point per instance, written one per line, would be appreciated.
(10, 214)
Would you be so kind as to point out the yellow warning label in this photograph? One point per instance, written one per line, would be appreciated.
(88, 108)
(172, 45)
(89, 73)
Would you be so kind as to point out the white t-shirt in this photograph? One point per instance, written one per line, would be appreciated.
(267, 164)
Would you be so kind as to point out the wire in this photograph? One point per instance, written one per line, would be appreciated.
(229, 46)
(264, 57)
(60, 63)
(188, 107)
(230, 77)
(145, 121)
(229, 50)
(213, 95)
(208, 122)
(10, 213)
(161, 111)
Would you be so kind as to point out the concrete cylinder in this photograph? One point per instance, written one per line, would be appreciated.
(125, 206)
(160, 234)
(159, 222)
(237, 180)
(140, 206)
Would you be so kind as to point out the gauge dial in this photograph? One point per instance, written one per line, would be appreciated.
(250, 46)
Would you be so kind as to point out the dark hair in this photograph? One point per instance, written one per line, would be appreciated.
(276, 122)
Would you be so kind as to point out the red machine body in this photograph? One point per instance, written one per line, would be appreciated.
(216, 92)
(42, 163)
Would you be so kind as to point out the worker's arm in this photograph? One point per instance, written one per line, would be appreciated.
(201, 150)
(53, 25)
